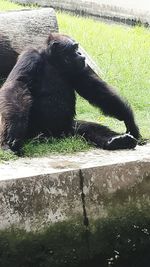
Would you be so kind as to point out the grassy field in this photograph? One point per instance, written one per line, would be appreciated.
(123, 55)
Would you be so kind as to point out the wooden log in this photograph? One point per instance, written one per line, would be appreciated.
(20, 29)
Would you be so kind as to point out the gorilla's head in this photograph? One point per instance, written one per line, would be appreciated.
(64, 53)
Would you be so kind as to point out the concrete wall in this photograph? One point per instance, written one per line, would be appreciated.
(78, 210)
(35, 193)
(130, 13)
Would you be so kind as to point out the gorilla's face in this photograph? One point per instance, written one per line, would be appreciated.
(66, 56)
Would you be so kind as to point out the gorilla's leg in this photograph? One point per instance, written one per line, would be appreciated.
(103, 137)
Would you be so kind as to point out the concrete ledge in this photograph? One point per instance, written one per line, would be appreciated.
(130, 12)
(37, 192)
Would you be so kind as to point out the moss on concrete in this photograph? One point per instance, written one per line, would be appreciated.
(122, 239)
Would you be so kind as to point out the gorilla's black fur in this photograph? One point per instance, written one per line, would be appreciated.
(39, 97)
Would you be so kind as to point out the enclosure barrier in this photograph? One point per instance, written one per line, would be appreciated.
(81, 210)
(134, 13)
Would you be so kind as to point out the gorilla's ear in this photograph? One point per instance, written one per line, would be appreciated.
(75, 46)
(52, 46)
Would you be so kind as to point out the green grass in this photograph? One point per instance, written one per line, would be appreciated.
(7, 155)
(6, 5)
(37, 148)
(123, 55)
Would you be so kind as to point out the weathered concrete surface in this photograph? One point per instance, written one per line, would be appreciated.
(129, 12)
(26, 167)
(37, 192)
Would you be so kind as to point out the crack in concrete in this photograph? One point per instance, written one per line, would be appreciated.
(85, 216)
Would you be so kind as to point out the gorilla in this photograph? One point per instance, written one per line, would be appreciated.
(39, 96)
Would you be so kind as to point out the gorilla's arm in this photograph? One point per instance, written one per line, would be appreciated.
(101, 95)
(16, 99)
